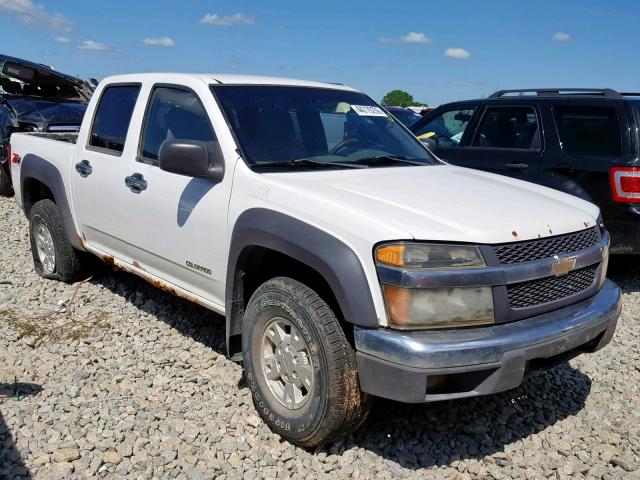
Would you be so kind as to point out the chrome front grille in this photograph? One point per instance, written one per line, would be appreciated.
(519, 252)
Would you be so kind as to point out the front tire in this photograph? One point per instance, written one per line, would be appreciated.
(53, 256)
(299, 365)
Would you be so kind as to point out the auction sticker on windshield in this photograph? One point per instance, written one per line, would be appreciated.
(368, 111)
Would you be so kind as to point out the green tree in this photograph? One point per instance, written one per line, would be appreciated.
(400, 98)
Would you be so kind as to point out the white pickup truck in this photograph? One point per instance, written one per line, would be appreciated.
(349, 262)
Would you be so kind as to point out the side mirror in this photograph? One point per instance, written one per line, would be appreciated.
(192, 158)
(430, 143)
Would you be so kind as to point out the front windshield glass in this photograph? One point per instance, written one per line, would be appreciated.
(316, 126)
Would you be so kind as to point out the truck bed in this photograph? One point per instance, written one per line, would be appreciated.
(56, 149)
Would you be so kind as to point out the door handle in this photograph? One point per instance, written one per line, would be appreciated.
(516, 166)
(84, 168)
(136, 183)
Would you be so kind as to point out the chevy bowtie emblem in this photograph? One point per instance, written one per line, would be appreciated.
(562, 266)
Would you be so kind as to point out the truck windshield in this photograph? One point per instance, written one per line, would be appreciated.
(282, 126)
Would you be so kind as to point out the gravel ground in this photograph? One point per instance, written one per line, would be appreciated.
(118, 379)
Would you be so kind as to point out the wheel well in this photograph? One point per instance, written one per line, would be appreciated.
(255, 266)
(33, 191)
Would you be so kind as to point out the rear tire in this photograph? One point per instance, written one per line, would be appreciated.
(299, 365)
(6, 188)
(53, 255)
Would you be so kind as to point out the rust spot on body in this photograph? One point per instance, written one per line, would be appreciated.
(162, 286)
(586, 224)
(165, 287)
(514, 233)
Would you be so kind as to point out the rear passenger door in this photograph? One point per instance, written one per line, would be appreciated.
(98, 168)
(177, 225)
(591, 138)
(507, 139)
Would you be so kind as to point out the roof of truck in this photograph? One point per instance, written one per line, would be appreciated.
(226, 79)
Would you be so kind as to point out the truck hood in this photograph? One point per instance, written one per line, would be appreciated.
(445, 203)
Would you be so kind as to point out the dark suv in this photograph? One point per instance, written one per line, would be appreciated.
(582, 141)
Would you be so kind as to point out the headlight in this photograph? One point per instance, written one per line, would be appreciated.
(417, 308)
(437, 307)
(423, 255)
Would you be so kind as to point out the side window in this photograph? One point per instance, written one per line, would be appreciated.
(112, 118)
(173, 113)
(448, 128)
(588, 130)
(508, 127)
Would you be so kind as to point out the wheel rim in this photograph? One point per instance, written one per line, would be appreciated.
(286, 363)
(45, 248)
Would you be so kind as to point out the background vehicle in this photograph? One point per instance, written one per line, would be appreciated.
(36, 98)
(348, 261)
(581, 141)
(406, 116)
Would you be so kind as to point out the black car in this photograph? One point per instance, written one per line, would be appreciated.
(406, 116)
(36, 98)
(584, 142)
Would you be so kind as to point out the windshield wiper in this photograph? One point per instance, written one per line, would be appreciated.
(305, 162)
(388, 158)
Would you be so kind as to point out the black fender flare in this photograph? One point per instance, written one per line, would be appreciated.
(38, 168)
(330, 257)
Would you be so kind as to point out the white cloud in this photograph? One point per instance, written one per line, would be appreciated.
(159, 42)
(457, 53)
(63, 40)
(411, 37)
(95, 46)
(560, 37)
(228, 21)
(415, 37)
(35, 14)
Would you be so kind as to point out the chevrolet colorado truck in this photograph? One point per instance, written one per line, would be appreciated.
(349, 262)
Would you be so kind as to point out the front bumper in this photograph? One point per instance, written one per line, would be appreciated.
(429, 366)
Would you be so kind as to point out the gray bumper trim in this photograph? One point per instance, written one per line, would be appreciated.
(396, 364)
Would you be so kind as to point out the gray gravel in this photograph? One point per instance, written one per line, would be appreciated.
(118, 379)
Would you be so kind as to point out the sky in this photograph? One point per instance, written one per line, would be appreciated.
(439, 51)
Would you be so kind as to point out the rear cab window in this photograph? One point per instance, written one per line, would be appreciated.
(586, 130)
(112, 118)
(510, 127)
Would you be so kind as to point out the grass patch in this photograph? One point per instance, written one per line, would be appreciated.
(54, 325)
